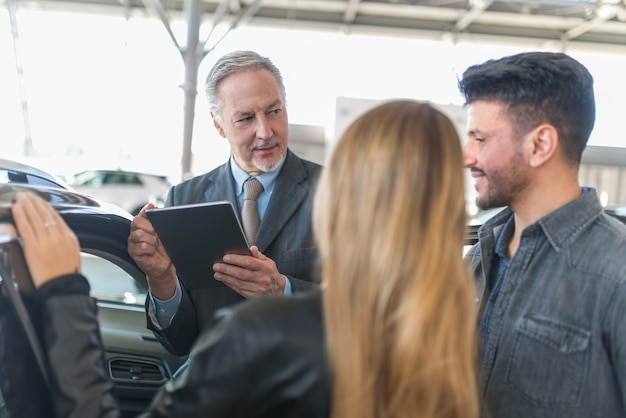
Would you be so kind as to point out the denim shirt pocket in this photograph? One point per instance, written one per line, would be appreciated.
(549, 362)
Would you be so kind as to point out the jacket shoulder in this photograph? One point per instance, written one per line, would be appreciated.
(296, 164)
(190, 190)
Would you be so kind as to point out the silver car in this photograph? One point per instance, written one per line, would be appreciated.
(129, 190)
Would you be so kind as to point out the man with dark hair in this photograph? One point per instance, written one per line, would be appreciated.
(551, 277)
(248, 105)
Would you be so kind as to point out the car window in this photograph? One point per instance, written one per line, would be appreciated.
(122, 178)
(88, 178)
(110, 282)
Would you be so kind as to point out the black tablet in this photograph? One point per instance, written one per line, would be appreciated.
(197, 236)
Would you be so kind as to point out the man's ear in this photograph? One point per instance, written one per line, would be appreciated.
(543, 144)
(219, 128)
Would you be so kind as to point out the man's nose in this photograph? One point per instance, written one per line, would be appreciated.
(469, 155)
(263, 128)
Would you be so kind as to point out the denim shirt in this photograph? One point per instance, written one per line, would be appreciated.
(499, 265)
(556, 339)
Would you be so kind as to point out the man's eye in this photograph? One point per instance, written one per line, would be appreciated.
(246, 119)
(275, 111)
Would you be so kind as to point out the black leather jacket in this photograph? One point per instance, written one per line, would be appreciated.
(264, 358)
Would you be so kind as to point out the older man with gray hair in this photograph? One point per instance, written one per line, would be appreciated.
(247, 100)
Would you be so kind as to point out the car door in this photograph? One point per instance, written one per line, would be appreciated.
(136, 362)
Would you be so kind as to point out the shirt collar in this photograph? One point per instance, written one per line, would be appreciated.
(558, 226)
(561, 225)
(504, 238)
(268, 180)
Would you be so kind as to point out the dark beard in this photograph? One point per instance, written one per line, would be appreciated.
(504, 184)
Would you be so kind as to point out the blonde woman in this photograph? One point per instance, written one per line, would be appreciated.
(391, 333)
(398, 300)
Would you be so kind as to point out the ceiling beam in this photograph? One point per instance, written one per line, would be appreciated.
(478, 7)
(604, 13)
(351, 10)
(158, 9)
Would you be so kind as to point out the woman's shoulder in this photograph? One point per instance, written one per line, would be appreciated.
(265, 357)
(278, 312)
(262, 329)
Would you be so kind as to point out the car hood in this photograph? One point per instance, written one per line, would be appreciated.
(66, 202)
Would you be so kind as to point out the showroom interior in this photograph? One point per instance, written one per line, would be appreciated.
(192, 32)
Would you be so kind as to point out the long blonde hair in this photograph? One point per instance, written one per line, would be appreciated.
(389, 217)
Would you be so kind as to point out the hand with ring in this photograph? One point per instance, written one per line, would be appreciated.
(50, 247)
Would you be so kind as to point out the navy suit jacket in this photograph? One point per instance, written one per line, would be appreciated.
(285, 235)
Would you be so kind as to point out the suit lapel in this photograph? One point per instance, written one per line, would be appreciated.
(223, 187)
(287, 196)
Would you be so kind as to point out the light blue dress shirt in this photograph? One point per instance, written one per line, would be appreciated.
(268, 180)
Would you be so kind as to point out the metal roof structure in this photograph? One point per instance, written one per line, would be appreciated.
(599, 22)
(597, 25)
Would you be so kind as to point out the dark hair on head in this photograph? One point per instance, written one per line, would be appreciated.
(536, 88)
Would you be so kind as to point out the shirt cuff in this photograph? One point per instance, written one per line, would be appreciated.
(287, 290)
(164, 310)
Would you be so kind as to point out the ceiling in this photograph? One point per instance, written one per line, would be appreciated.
(557, 23)
(596, 25)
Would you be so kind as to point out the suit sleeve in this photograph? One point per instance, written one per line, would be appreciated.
(179, 336)
(300, 286)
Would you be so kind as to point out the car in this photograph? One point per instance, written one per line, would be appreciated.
(16, 172)
(130, 190)
(136, 361)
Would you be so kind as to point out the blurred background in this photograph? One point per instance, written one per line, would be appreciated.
(101, 88)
